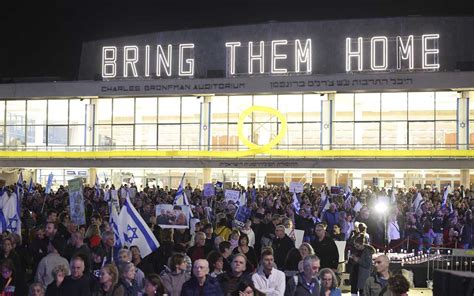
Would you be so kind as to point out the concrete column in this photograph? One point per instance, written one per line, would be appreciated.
(206, 175)
(205, 140)
(330, 177)
(91, 136)
(326, 122)
(309, 177)
(463, 120)
(465, 178)
(92, 174)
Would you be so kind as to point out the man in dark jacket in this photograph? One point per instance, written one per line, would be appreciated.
(230, 281)
(77, 284)
(201, 284)
(307, 282)
(325, 248)
(282, 244)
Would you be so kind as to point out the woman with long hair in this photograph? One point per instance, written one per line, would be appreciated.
(246, 288)
(216, 263)
(153, 285)
(127, 278)
(329, 283)
(109, 282)
(291, 262)
(244, 248)
(10, 283)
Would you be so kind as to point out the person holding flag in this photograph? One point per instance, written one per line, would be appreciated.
(19, 185)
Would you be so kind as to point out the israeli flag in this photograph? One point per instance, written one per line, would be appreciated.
(445, 196)
(347, 193)
(113, 220)
(49, 183)
(10, 213)
(324, 201)
(31, 188)
(417, 202)
(296, 203)
(97, 186)
(133, 231)
(180, 195)
(19, 185)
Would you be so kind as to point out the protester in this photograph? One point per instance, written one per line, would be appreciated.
(10, 283)
(76, 284)
(325, 248)
(174, 279)
(398, 285)
(201, 283)
(59, 274)
(230, 281)
(268, 279)
(109, 285)
(362, 264)
(153, 285)
(376, 283)
(305, 283)
(329, 283)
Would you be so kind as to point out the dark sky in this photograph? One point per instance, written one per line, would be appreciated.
(43, 38)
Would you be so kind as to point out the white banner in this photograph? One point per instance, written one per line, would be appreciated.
(296, 187)
(232, 195)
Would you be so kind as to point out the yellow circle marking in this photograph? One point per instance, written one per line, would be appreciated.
(267, 147)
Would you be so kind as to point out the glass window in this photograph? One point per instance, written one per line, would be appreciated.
(104, 111)
(124, 110)
(15, 135)
(77, 114)
(169, 136)
(146, 110)
(104, 135)
(312, 107)
(234, 140)
(219, 135)
(57, 135)
(2, 112)
(264, 133)
(446, 105)
(169, 110)
(343, 135)
(76, 135)
(367, 107)
(237, 104)
(420, 106)
(394, 135)
(58, 111)
(344, 106)
(294, 137)
(16, 112)
(312, 135)
(446, 134)
(191, 110)
(122, 135)
(36, 112)
(291, 106)
(145, 135)
(366, 135)
(394, 106)
(422, 134)
(2, 135)
(190, 136)
(219, 109)
(36, 135)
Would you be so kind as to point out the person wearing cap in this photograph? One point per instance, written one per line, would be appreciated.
(44, 272)
(282, 244)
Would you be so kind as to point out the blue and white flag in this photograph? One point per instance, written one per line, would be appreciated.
(113, 220)
(296, 203)
(10, 213)
(180, 195)
(134, 231)
(254, 194)
(417, 202)
(49, 183)
(445, 196)
(31, 188)
(97, 186)
(347, 193)
(243, 199)
(19, 185)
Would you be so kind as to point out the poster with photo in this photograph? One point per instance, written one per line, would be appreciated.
(172, 216)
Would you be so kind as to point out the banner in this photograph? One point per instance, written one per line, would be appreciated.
(232, 195)
(172, 216)
(208, 190)
(242, 215)
(76, 201)
(296, 187)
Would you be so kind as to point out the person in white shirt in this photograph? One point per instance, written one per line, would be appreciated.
(268, 279)
(249, 232)
(393, 233)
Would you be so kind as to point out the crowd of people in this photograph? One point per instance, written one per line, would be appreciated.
(217, 256)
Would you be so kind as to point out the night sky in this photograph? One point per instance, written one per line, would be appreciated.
(43, 38)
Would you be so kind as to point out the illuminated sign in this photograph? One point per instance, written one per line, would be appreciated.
(275, 57)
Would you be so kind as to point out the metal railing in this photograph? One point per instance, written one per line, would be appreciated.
(449, 259)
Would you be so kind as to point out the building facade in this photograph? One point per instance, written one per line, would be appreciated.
(380, 102)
